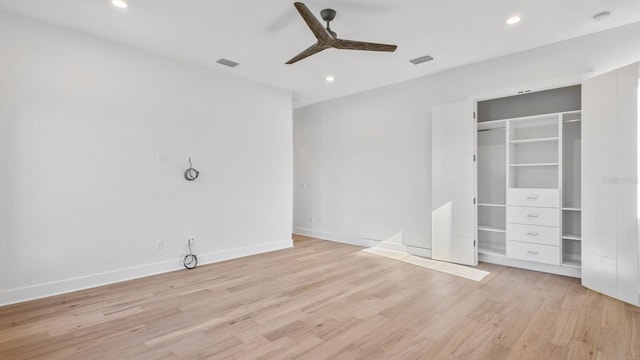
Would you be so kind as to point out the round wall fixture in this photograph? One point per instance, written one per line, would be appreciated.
(191, 174)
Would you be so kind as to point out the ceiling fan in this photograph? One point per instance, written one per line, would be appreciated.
(327, 38)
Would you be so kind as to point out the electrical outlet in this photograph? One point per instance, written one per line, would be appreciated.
(160, 244)
(192, 241)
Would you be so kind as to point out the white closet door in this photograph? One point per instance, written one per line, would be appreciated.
(610, 250)
(453, 184)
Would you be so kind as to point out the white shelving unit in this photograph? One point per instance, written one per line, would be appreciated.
(534, 189)
(571, 189)
(492, 196)
(528, 171)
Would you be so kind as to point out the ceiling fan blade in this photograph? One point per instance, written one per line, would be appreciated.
(361, 45)
(316, 27)
(313, 49)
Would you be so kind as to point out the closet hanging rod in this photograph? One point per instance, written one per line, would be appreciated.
(496, 128)
(572, 120)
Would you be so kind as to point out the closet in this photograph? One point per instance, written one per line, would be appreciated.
(545, 180)
(528, 180)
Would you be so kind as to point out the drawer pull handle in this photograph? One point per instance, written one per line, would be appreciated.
(532, 215)
(532, 197)
(532, 234)
(532, 252)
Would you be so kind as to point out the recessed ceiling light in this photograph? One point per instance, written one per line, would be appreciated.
(329, 78)
(601, 16)
(120, 3)
(513, 20)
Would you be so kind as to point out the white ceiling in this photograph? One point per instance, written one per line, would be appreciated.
(262, 35)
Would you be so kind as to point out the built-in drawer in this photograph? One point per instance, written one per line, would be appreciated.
(545, 235)
(534, 252)
(533, 216)
(534, 197)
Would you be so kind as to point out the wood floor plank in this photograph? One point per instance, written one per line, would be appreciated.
(322, 300)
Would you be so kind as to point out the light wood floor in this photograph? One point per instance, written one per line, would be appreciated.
(324, 300)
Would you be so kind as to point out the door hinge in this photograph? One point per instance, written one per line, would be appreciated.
(474, 158)
(474, 114)
(474, 201)
(474, 243)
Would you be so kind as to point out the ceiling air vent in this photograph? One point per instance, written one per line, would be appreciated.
(421, 60)
(228, 63)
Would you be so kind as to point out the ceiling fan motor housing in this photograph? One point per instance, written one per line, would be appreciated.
(328, 14)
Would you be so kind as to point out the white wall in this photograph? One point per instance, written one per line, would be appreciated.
(363, 161)
(83, 197)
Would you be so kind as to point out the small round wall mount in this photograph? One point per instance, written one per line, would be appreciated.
(191, 174)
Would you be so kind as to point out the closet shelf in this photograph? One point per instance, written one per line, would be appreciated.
(540, 119)
(494, 124)
(534, 140)
(571, 209)
(577, 237)
(491, 205)
(534, 164)
(571, 263)
(492, 251)
(491, 229)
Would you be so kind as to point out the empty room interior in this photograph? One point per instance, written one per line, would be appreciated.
(333, 179)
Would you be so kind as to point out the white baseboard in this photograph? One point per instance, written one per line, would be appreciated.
(351, 240)
(392, 246)
(362, 242)
(38, 291)
(426, 253)
(214, 257)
